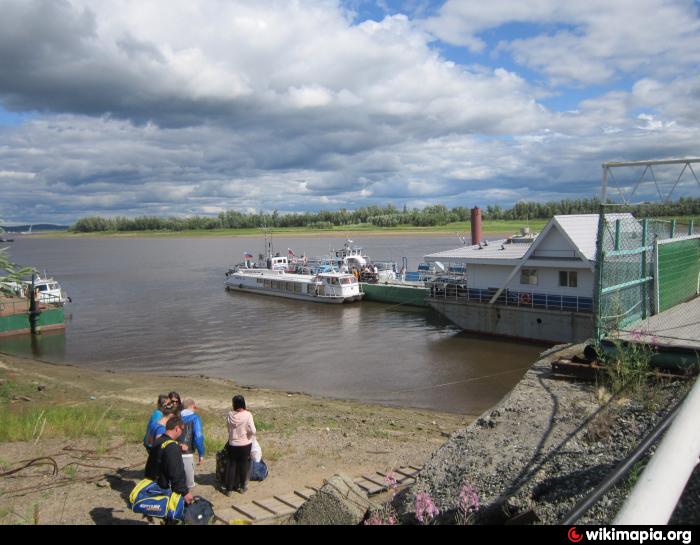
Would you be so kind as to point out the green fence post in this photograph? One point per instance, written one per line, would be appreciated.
(598, 278)
(645, 288)
(691, 227)
(617, 235)
(673, 228)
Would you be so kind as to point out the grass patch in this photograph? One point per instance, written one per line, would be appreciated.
(627, 372)
(11, 388)
(71, 422)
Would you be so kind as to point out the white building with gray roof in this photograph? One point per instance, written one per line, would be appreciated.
(532, 287)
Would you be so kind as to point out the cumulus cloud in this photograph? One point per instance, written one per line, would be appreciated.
(135, 109)
(583, 41)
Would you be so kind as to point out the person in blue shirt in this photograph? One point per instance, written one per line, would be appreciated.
(192, 437)
(157, 428)
(156, 415)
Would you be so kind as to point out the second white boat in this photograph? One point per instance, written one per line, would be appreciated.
(331, 287)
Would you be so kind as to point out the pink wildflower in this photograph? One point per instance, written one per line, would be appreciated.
(391, 480)
(383, 517)
(426, 509)
(468, 499)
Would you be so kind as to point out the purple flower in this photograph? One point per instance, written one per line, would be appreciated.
(468, 499)
(425, 508)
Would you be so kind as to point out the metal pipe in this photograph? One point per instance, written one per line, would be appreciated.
(656, 494)
(607, 164)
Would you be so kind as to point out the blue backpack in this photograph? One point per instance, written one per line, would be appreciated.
(258, 470)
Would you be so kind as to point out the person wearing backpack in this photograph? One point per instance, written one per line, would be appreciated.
(193, 438)
(163, 492)
(156, 415)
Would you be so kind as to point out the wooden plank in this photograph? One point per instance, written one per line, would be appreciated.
(369, 486)
(292, 500)
(275, 506)
(305, 493)
(375, 480)
(364, 485)
(252, 511)
(406, 473)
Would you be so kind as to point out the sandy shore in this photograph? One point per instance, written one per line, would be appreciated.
(304, 439)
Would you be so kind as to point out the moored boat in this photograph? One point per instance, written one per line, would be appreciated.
(331, 287)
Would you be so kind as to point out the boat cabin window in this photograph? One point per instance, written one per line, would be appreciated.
(568, 279)
(42, 287)
(528, 276)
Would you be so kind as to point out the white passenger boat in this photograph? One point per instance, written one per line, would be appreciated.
(331, 287)
(47, 289)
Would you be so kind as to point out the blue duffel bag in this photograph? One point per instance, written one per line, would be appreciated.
(151, 500)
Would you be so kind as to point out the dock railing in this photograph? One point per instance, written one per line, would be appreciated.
(460, 292)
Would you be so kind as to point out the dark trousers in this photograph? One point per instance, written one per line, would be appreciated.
(238, 467)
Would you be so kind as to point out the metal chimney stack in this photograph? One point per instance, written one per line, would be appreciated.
(476, 225)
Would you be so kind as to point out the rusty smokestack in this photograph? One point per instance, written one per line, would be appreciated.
(476, 225)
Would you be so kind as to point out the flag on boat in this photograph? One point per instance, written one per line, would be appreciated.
(289, 252)
(247, 256)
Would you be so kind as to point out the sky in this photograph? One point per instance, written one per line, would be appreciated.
(179, 108)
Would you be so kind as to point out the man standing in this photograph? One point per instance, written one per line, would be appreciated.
(164, 491)
(193, 437)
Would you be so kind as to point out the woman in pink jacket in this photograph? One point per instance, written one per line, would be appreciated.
(241, 432)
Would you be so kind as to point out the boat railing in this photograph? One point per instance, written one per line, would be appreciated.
(461, 292)
(50, 299)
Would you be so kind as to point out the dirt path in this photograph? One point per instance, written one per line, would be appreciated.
(304, 440)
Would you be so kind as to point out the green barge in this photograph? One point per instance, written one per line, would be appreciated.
(407, 293)
(15, 316)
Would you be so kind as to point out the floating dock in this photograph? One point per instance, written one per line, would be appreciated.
(673, 334)
(407, 293)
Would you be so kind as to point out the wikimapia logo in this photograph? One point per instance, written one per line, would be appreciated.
(573, 535)
(637, 536)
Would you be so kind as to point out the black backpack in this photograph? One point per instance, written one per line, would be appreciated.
(199, 512)
(221, 465)
(187, 437)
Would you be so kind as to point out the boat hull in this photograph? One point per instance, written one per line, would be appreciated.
(333, 288)
(14, 318)
(550, 326)
(286, 295)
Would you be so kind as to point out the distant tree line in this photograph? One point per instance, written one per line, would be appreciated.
(387, 216)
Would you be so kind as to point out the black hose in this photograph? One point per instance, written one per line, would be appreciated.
(622, 468)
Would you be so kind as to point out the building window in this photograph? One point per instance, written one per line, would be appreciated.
(568, 279)
(528, 276)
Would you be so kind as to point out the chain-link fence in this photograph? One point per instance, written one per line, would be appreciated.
(645, 267)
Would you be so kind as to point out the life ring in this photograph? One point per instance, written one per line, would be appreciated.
(525, 298)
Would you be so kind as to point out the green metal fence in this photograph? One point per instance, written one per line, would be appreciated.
(677, 275)
(631, 282)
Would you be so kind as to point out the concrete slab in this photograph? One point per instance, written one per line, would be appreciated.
(677, 327)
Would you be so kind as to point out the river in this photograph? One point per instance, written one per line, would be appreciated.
(158, 305)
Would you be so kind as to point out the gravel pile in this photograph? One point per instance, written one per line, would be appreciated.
(544, 448)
